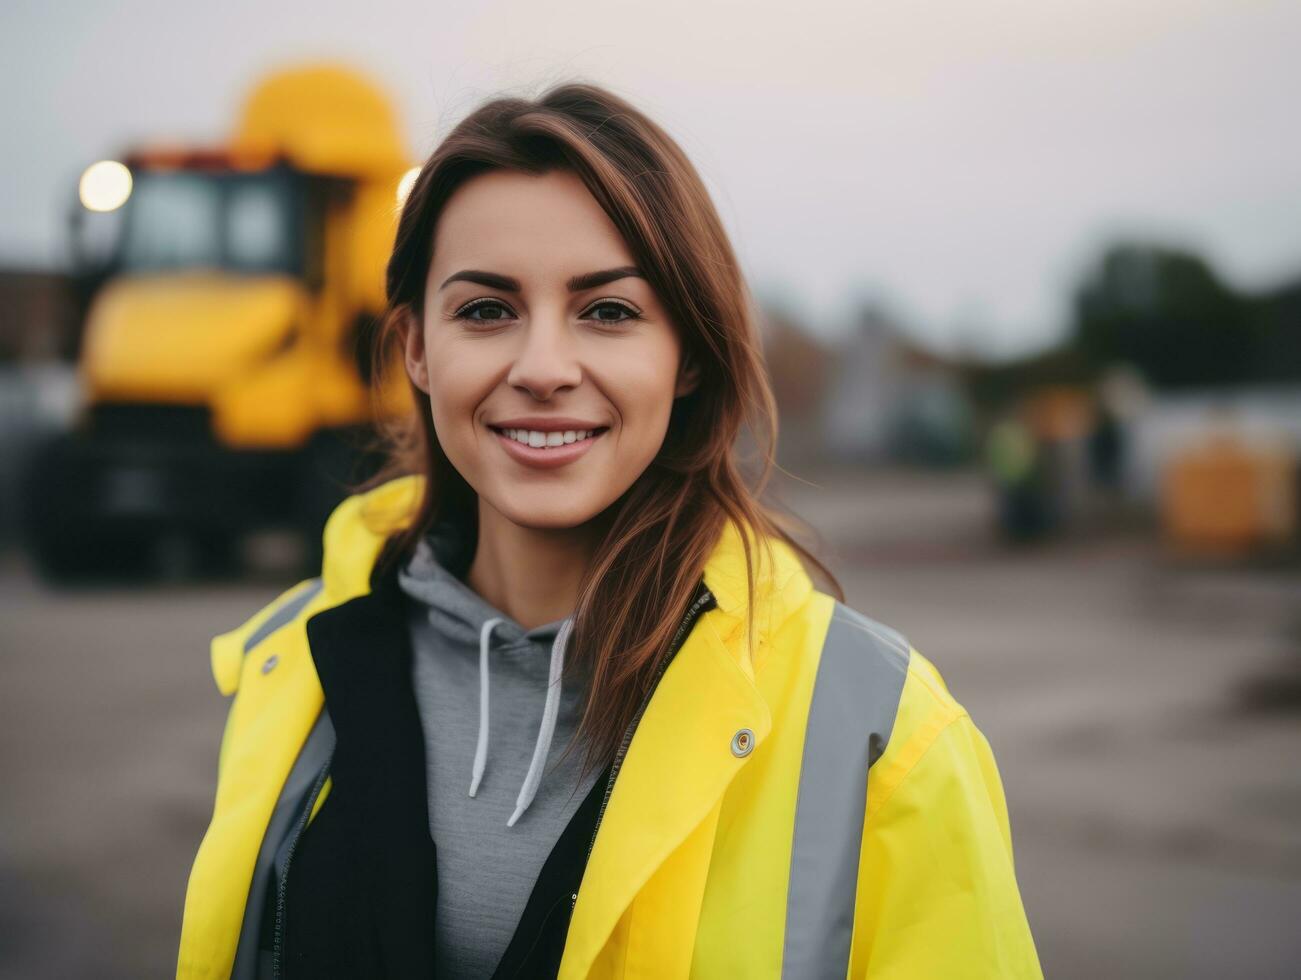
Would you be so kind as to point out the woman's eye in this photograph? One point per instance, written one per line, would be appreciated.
(491, 305)
(493, 311)
(616, 308)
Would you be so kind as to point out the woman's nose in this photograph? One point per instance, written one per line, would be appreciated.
(547, 360)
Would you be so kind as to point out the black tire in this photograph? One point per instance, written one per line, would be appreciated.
(217, 552)
(65, 542)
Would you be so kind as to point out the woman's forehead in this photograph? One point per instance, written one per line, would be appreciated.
(496, 209)
(538, 237)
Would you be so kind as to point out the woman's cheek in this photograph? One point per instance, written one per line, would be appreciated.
(453, 406)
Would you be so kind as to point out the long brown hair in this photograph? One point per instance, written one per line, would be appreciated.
(664, 527)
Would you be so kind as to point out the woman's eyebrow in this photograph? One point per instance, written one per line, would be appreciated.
(509, 284)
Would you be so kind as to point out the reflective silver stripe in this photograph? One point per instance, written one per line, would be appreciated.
(314, 754)
(312, 757)
(855, 699)
(291, 608)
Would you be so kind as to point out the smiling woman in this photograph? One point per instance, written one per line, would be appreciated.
(772, 784)
(572, 339)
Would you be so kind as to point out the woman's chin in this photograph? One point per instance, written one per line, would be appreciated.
(550, 510)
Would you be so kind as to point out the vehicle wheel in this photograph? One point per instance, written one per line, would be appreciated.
(217, 552)
(64, 543)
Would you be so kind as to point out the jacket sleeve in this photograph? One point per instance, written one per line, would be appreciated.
(937, 893)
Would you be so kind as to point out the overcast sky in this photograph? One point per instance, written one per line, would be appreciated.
(960, 160)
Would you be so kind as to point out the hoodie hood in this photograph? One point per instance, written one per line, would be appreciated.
(461, 619)
(435, 576)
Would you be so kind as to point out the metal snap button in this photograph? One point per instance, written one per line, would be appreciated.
(742, 742)
(269, 664)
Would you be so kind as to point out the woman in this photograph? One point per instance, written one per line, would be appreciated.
(564, 550)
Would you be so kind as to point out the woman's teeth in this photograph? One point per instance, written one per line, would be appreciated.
(538, 440)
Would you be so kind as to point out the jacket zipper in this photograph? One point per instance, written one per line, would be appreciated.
(277, 968)
(704, 600)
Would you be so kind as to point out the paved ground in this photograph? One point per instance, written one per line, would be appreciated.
(1156, 816)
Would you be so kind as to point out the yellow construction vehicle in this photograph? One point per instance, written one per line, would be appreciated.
(225, 362)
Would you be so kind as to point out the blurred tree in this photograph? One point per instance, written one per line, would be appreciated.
(1165, 314)
(1165, 311)
(998, 387)
(1278, 359)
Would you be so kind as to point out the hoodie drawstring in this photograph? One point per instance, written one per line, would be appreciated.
(546, 730)
(550, 710)
(481, 747)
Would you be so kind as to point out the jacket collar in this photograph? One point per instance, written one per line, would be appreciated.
(684, 738)
(358, 528)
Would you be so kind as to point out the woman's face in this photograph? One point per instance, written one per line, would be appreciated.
(518, 353)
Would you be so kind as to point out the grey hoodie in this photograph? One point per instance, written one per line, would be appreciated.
(494, 711)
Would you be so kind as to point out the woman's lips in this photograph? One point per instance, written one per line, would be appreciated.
(544, 457)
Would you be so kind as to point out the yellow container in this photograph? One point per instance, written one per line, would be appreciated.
(1226, 497)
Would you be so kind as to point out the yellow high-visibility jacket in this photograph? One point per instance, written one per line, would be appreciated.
(817, 806)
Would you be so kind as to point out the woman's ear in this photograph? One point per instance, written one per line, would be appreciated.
(688, 377)
(413, 345)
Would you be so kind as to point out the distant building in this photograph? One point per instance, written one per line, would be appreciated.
(890, 400)
(37, 316)
(799, 368)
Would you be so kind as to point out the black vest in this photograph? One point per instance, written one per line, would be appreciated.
(361, 884)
